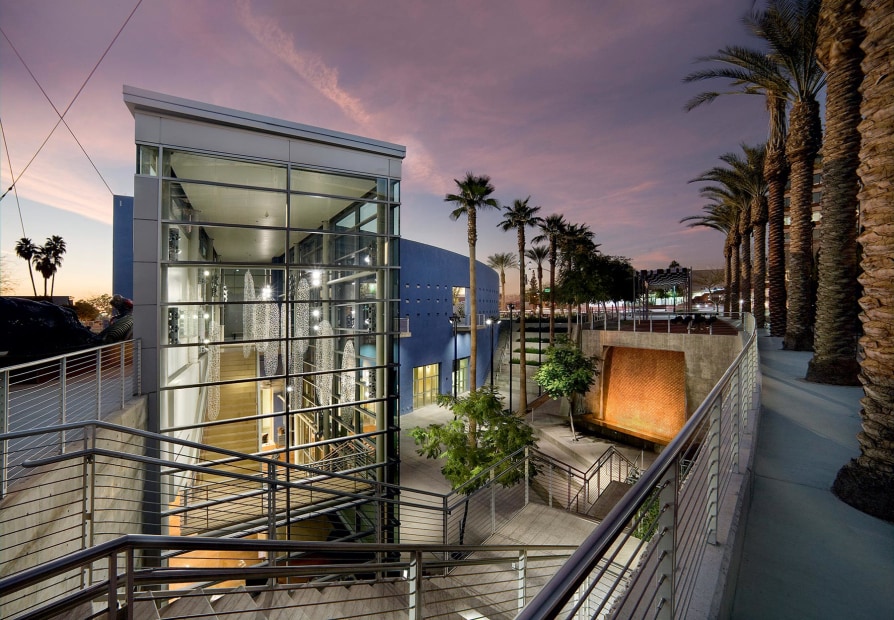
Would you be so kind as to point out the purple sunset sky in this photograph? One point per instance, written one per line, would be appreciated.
(578, 104)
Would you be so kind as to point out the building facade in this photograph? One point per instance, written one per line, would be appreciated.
(434, 286)
(264, 275)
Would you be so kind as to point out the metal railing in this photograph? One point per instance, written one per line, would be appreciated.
(663, 526)
(85, 385)
(307, 578)
(646, 553)
(97, 488)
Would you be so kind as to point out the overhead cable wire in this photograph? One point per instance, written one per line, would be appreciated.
(71, 103)
(12, 187)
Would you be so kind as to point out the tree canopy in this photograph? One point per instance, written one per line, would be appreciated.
(497, 435)
(567, 372)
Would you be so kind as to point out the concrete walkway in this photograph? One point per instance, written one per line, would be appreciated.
(806, 553)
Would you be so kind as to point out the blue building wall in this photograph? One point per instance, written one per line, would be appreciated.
(427, 277)
(122, 245)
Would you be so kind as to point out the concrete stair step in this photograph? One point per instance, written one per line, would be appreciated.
(236, 605)
(194, 603)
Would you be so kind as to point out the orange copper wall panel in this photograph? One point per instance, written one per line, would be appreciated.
(644, 392)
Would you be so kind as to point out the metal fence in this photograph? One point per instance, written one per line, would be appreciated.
(86, 385)
(660, 530)
(101, 486)
(292, 579)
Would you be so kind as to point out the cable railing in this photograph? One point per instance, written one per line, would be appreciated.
(89, 384)
(664, 524)
(108, 481)
(304, 579)
(102, 486)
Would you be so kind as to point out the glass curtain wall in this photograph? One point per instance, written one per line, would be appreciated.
(274, 302)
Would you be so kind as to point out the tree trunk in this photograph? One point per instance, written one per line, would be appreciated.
(745, 285)
(867, 481)
(759, 260)
(801, 149)
(759, 275)
(728, 277)
(552, 293)
(734, 289)
(835, 342)
(502, 288)
(473, 304)
(776, 175)
(522, 368)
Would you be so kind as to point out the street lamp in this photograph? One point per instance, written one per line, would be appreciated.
(741, 301)
(490, 322)
(454, 321)
(511, 308)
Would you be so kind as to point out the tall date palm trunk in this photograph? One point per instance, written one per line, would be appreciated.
(835, 342)
(867, 481)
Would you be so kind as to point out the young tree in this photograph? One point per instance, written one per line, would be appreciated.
(567, 373)
(497, 435)
(85, 310)
(7, 281)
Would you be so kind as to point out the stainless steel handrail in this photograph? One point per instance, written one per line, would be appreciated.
(574, 574)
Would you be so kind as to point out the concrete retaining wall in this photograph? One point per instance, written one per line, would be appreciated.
(707, 358)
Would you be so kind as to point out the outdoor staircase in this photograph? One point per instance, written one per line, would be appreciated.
(237, 400)
(464, 592)
(223, 501)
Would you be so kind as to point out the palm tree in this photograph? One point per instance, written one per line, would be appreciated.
(54, 248)
(45, 265)
(789, 26)
(502, 261)
(474, 194)
(742, 185)
(25, 248)
(722, 215)
(551, 230)
(787, 73)
(866, 482)
(835, 343)
(519, 216)
(538, 254)
(576, 246)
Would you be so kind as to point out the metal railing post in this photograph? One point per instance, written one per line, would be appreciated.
(667, 542)
(713, 499)
(138, 365)
(4, 427)
(63, 403)
(527, 475)
(493, 503)
(522, 570)
(99, 384)
(737, 420)
(121, 373)
(414, 579)
(131, 583)
(444, 519)
(113, 586)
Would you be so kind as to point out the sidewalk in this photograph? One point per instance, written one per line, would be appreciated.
(806, 553)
